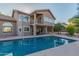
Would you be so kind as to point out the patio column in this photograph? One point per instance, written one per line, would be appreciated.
(34, 27)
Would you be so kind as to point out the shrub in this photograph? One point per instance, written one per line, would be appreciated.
(70, 29)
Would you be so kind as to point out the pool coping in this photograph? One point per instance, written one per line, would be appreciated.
(64, 36)
(21, 37)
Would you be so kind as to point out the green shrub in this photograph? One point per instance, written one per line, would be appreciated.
(70, 29)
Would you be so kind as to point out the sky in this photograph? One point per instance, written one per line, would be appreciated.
(61, 11)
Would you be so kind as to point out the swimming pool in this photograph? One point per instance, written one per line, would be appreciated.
(21, 47)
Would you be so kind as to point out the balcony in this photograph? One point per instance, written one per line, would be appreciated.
(48, 23)
(42, 22)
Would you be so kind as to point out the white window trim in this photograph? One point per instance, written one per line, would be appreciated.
(26, 26)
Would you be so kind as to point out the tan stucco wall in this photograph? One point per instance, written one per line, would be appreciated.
(19, 25)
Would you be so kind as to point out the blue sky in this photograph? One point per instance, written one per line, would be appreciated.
(62, 11)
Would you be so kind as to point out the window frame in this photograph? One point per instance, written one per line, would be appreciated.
(26, 27)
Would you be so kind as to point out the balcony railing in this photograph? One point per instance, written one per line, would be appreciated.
(41, 22)
(48, 23)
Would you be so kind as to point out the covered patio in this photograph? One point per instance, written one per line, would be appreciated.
(41, 29)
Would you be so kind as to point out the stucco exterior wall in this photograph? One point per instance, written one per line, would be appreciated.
(21, 24)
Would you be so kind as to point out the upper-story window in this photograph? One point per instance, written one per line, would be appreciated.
(47, 19)
(23, 18)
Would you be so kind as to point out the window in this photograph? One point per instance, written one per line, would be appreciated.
(7, 27)
(23, 18)
(26, 28)
(47, 19)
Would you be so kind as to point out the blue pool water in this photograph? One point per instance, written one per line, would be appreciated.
(27, 46)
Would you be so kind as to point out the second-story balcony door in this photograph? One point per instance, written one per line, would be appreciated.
(40, 20)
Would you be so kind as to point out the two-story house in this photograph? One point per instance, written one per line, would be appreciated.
(36, 23)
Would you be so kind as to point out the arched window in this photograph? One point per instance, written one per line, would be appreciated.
(7, 27)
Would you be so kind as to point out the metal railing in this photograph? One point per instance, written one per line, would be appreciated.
(41, 22)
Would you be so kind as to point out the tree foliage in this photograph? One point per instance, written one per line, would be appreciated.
(75, 22)
(58, 27)
(70, 29)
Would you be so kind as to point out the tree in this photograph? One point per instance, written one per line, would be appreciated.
(58, 27)
(75, 22)
(70, 29)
